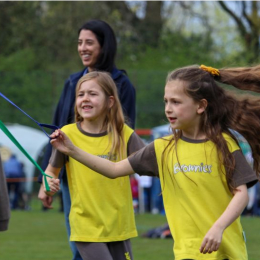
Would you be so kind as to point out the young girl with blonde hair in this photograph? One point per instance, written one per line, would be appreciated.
(101, 216)
(204, 175)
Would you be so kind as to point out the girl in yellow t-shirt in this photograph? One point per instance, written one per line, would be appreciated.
(204, 175)
(101, 216)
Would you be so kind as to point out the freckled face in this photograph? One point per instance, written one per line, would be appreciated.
(88, 48)
(180, 109)
(91, 101)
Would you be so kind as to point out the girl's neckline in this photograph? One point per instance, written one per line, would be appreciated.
(195, 141)
(90, 134)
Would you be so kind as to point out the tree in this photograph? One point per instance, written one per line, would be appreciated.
(246, 16)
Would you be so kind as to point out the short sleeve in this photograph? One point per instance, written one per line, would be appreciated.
(243, 173)
(57, 159)
(144, 161)
(135, 143)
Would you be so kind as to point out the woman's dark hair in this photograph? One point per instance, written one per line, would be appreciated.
(107, 40)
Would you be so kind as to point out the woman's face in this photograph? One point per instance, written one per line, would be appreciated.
(88, 48)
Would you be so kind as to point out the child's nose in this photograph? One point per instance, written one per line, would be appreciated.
(86, 97)
(167, 108)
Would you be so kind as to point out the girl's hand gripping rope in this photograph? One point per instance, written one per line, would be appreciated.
(54, 185)
(61, 142)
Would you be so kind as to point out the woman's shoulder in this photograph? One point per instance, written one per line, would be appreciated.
(71, 82)
(120, 76)
(74, 77)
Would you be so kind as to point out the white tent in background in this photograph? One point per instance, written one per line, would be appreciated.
(31, 139)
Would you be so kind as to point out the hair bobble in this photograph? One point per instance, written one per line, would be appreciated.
(214, 72)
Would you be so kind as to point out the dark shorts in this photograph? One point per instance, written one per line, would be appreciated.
(120, 250)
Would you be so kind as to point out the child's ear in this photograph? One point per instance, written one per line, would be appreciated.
(111, 101)
(203, 103)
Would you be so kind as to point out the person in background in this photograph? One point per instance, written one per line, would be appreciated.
(252, 206)
(13, 170)
(102, 215)
(97, 47)
(204, 174)
(135, 192)
(145, 183)
(4, 201)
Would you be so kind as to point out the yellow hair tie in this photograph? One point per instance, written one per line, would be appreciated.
(212, 71)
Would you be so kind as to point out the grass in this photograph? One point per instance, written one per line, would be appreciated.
(42, 235)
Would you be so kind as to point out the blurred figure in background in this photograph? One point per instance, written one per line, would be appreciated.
(4, 201)
(135, 192)
(145, 184)
(13, 170)
(252, 208)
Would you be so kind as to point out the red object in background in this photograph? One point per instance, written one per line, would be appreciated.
(144, 131)
(134, 187)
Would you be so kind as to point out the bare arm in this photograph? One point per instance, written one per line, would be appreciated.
(54, 183)
(105, 167)
(213, 238)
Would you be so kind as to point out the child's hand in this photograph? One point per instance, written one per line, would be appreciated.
(61, 142)
(212, 240)
(54, 185)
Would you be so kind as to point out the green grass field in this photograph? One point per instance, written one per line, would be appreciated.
(36, 235)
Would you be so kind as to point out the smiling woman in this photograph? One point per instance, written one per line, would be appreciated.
(88, 48)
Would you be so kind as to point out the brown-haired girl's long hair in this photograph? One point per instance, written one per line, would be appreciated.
(114, 120)
(225, 110)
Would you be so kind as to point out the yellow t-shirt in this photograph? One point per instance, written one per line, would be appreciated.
(101, 208)
(195, 194)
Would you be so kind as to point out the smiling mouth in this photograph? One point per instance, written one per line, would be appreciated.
(85, 56)
(86, 107)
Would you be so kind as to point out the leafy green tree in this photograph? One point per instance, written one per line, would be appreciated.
(246, 16)
(38, 47)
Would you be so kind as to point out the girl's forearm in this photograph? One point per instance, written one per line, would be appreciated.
(105, 167)
(234, 209)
